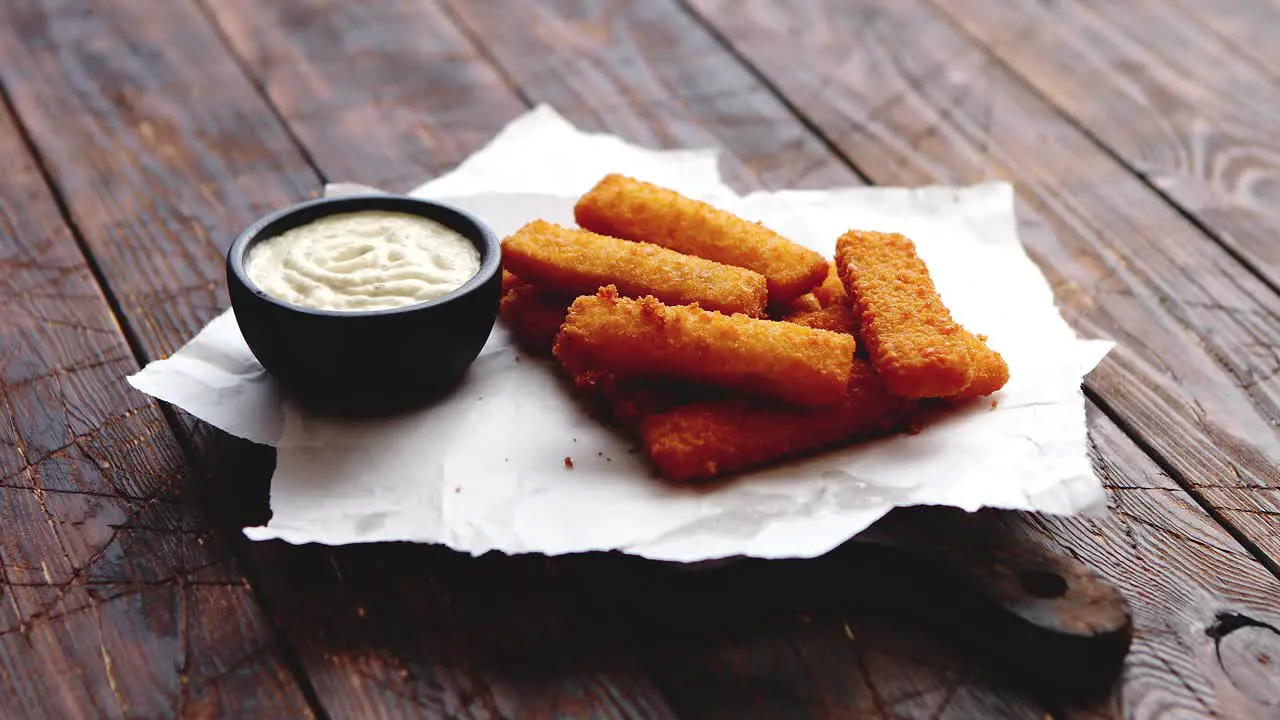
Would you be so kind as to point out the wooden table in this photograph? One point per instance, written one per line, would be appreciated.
(138, 137)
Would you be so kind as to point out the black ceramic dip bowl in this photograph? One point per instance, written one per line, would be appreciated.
(367, 362)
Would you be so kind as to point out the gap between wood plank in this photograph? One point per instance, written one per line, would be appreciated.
(1180, 478)
(945, 16)
(481, 51)
(1162, 462)
(243, 67)
(236, 542)
(768, 84)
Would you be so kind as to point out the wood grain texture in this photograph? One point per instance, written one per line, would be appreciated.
(174, 174)
(1248, 27)
(117, 598)
(1192, 376)
(385, 93)
(1181, 105)
(1205, 611)
(642, 71)
(133, 107)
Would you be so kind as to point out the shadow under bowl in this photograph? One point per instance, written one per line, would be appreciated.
(371, 362)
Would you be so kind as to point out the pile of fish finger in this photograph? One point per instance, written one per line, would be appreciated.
(724, 346)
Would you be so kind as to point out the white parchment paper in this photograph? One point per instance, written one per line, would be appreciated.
(484, 469)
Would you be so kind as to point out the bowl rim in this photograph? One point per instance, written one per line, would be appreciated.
(490, 261)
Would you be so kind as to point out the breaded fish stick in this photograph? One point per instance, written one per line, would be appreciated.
(915, 346)
(826, 307)
(629, 402)
(707, 439)
(644, 338)
(990, 371)
(622, 207)
(533, 316)
(509, 281)
(831, 291)
(836, 318)
(577, 262)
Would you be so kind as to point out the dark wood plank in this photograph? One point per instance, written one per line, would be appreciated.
(117, 598)
(1247, 26)
(1186, 579)
(385, 94)
(116, 96)
(1176, 101)
(640, 71)
(1191, 378)
(165, 151)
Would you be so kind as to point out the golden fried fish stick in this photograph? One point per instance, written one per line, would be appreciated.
(990, 371)
(576, 262)
(533, 316)
(622, 207)
(836, 318)
(831, 291)
(826, 307)
(509, 281)
(644, 338)
(910, 337)
(706, 439)
(629, 402)
(806, 303)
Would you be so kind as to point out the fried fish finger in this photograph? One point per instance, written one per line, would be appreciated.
(836, 318)
(644, 338)
(509, 281)
(533, 316)
(629, 402)
(831, 291)
(990, 371)
(576, 262)
(707, 439)
(826, 307)
(908, 333)
(633, 210)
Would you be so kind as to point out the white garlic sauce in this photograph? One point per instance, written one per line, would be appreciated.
(368, 260)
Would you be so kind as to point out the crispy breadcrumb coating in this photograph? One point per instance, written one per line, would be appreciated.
(708, 439)
(509, 281)
(826, 307)
(763, 358)
(576, 262)
(629, 402)
(622, 207)
(837, 318)
(533, 316)
(915, 346)
(990, 371)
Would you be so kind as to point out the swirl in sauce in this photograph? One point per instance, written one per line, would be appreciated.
(369, 260)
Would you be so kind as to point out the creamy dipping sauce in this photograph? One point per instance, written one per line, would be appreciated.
(369, 260)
